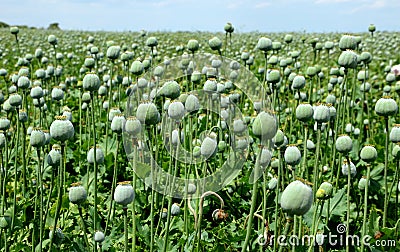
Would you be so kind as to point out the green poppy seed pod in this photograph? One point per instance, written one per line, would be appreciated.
(239, 126)
(124, 193)
(297, 198)
(241, 143)
(390, 78)
(54, 156)
(304, 112)
(298, 82)
(148, 114)
(36, 92)
(276, 45)
(89, 62)
(292, 155)
(175, 209)
(320, 194)
(394, 135)
(77, 194)
(86, 97)
(228, 27)
(265, 158)
(371, 28)
(23, 82)
(137, 67)
(196, 151)
(321, 113)
(164, 213)
(366, 57)
(102, 90)
(215, 43)
(2, 140)
(368, 153)
(196, 76)
(345, 169)
(362, 75)
(113, 112)
(264, 126)
(22, 116)
(142, 83)
(91, 82)
(175, 137)
(272, 183)
(52, 39)
(396, 151)
(330, 99)
(329, 45)
(37, 138)
(151, 42)
(113, 52)
(170, 89)
(3, 72)
(47, 137)
(274, 76)
(348, 59)
(328, 189)
(176, 110)
(193, 45)
(210, 86)
(61, 129)
(57, 93)
(146, 63)
(245, 55)
(117, 123)
(222, 144)
(133, 126)
(264, 44)
(99, 237)
(192, 103)
(14, 30)
(347, 42)
(99, 155)
(15, 100)
(191, 188)
(344, 144)
(279, 138)
(362, 183)
(332, 112)
(158, 71)
(7, 106)
(288, 38)
(365, 87)
(4, 124)
(386, 106)
(208, 147)
(311, 71)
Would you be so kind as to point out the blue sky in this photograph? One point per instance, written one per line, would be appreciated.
(205, 15)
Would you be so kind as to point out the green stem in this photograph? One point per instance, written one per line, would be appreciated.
(95, 219)
(385, 171)
(364, 225)
(316, 171)
(286, 231)
(84, 228)
(348, 202)
(60, 193)
(253, 204)
(114, 183)
(125, 209)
